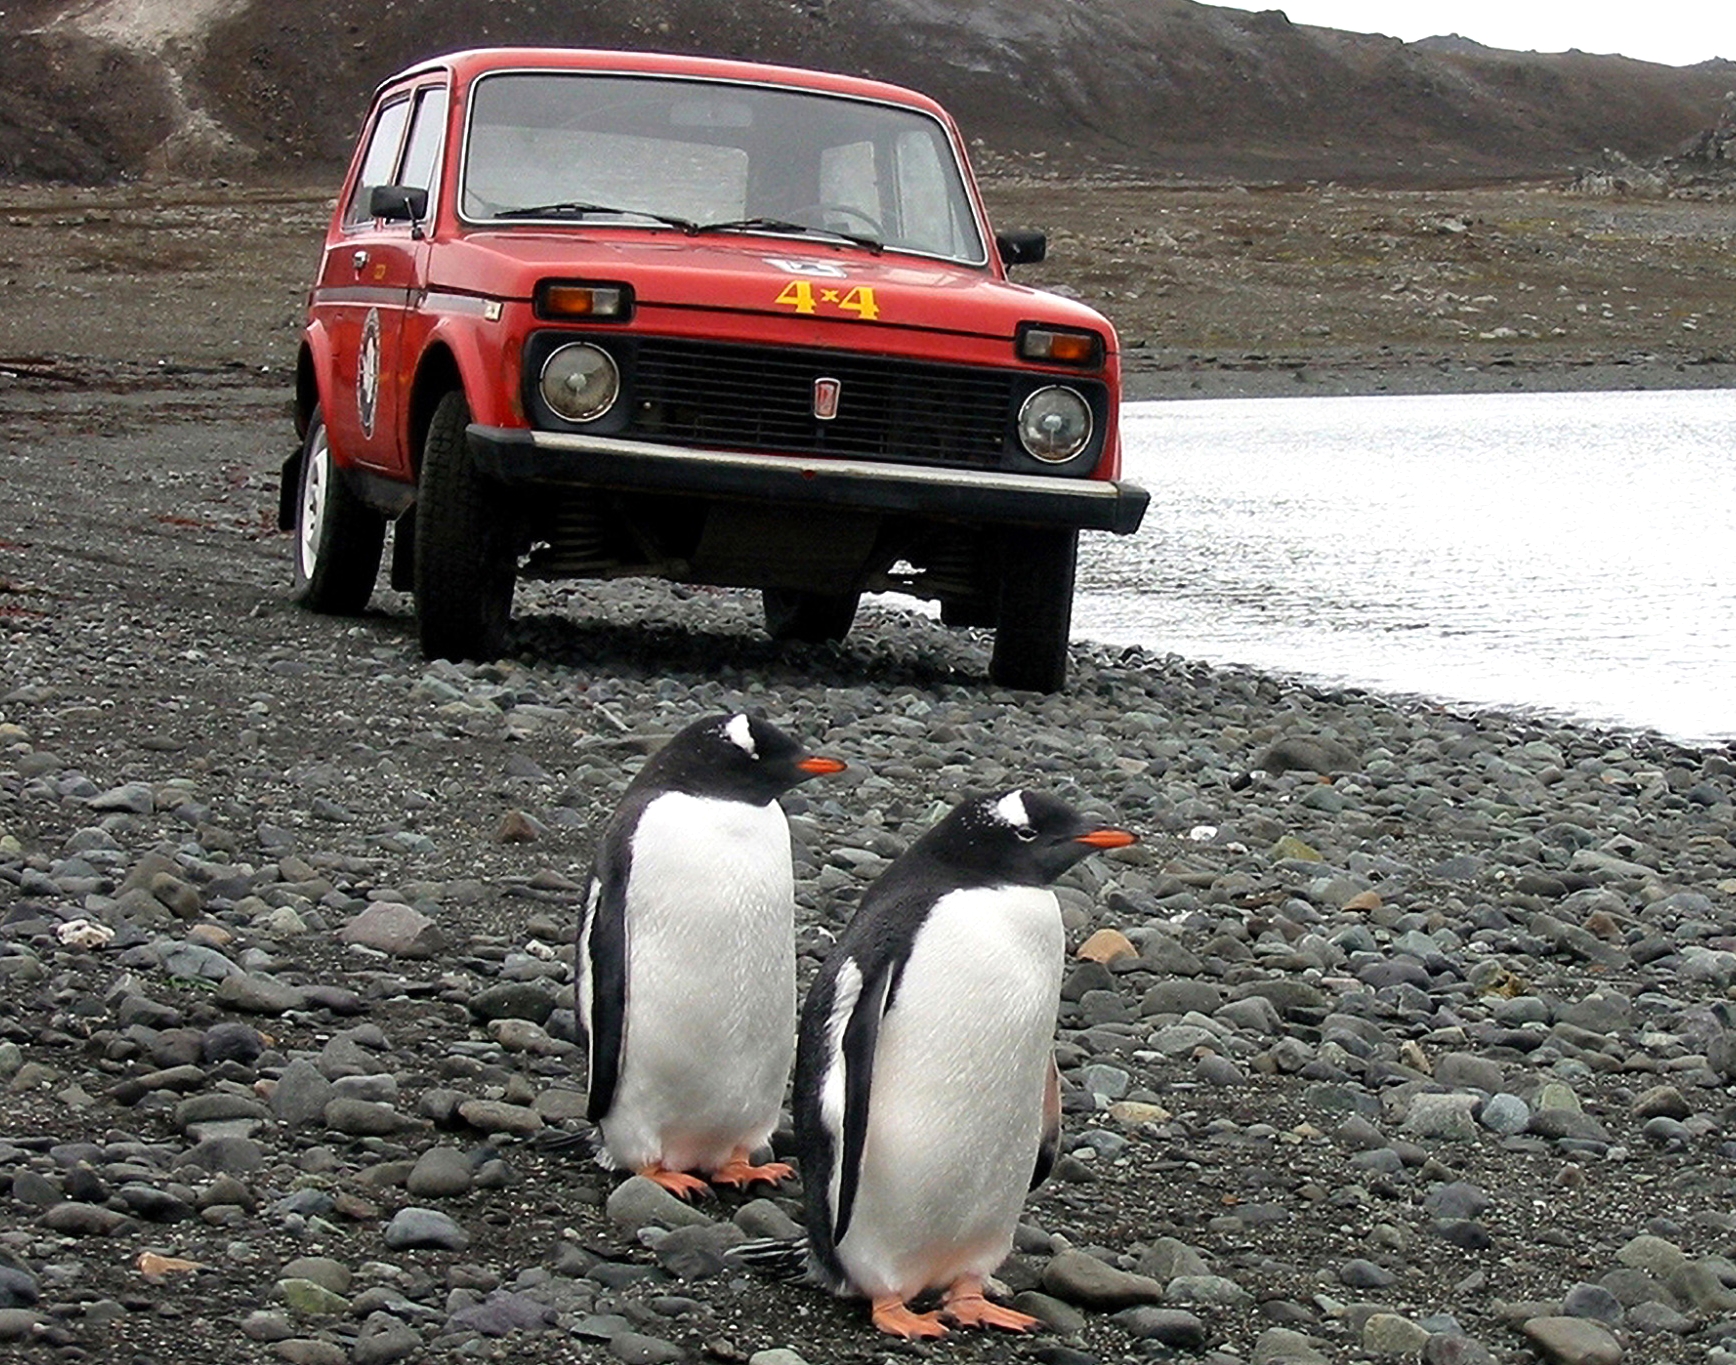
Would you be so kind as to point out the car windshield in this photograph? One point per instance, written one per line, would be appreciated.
(714, 157)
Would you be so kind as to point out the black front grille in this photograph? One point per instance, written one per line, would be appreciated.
(762, 398)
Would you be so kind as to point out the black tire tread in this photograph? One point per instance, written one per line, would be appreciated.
(464, 562)
(1033, 625)
(814, 617)
(352, 540)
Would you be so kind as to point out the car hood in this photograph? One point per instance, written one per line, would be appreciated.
(775, 276)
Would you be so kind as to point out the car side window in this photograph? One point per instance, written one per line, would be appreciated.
(378, 161)
(427, 133)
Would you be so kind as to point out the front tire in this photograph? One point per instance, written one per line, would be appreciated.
(466, 560)
(338, 537)
(1033, 625)
(814, 617)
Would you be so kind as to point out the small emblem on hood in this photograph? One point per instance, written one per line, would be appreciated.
(826, 395)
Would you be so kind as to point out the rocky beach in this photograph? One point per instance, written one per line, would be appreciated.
(1402, 1034)
(1405, 1034)
(1414, 1045)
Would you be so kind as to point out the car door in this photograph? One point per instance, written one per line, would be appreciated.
(370, 277)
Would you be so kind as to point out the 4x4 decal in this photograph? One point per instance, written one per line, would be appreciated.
(805, 296)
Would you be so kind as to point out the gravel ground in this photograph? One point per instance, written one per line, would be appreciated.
(1429, 1061)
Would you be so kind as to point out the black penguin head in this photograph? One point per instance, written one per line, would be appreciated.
(1019, 836)
(739, 757)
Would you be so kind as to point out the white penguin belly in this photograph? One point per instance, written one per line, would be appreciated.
(711, 984)
(955, 1110)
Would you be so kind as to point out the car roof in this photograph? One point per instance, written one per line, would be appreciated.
(469, 63)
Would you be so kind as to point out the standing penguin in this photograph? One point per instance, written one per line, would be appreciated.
(926, 1099)
(686, 956)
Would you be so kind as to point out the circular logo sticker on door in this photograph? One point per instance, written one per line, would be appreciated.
(368, 372)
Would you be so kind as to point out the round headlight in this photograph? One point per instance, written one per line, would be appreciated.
(580, 382)
(1054, 424)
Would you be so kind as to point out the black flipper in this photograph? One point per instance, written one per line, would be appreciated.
(861, 1037)
(603, 956)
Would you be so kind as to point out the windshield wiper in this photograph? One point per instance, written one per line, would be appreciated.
(579, 208)
(785, 225)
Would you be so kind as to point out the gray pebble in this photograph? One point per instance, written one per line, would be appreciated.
(636, 1348)
(364, 1118)
(397, 930)
(413, 1227)
(1079, 1278)
(1506, 1115)
(384, 1339)
(301, 1094)
(1206, 1289)
(1452, 1348)
(309, 1298)
(763, 1218)
(76, 1219)
(497, 1116)
(1393, 1335)
(1062, 1318)
(501, 1314)
(1286, 1346)
(637, 1203)
(16, 1324)
(696, 1252)
(1572, 1341)
(1359, 1273)
(18, 1288)
(1592, 1301)
(310, 1351)
(440, 1173)
(1173, 1327)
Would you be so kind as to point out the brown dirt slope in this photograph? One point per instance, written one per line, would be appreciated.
(1156, 87)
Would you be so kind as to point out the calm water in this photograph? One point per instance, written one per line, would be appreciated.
(1573, 554)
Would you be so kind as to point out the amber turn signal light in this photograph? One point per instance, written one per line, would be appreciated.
(566, 301)
(1060, 347)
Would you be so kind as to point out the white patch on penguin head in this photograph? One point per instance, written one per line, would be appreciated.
(739, 731)
(1010, 810)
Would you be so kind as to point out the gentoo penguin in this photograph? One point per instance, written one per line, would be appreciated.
(926, 1099)
(686, 956)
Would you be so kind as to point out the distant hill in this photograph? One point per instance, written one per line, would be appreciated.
(95, 90)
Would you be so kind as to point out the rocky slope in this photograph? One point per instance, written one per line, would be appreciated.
(95, 89)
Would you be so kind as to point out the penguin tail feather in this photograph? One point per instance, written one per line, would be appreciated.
(773, 1258)
(566, 1141)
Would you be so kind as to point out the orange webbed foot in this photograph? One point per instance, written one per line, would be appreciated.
(966, 1306)
(678, 1183)
(893, 1317)
(740, 1172)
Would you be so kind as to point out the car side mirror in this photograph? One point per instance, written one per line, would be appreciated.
(1021, 246)
(397, 203)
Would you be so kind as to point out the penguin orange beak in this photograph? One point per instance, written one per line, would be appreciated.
(1108, 838)
(816, 766)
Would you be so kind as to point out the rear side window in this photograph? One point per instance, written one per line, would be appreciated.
(379, 160)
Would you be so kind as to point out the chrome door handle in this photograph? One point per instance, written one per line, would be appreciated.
(359, 260)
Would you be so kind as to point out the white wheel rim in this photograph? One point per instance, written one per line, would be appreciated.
(313, 502)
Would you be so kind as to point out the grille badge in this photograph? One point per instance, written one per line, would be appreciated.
(826, 394)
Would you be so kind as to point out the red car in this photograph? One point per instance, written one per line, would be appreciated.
(597, 314)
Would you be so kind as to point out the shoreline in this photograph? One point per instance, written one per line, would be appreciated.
(1148, 376)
